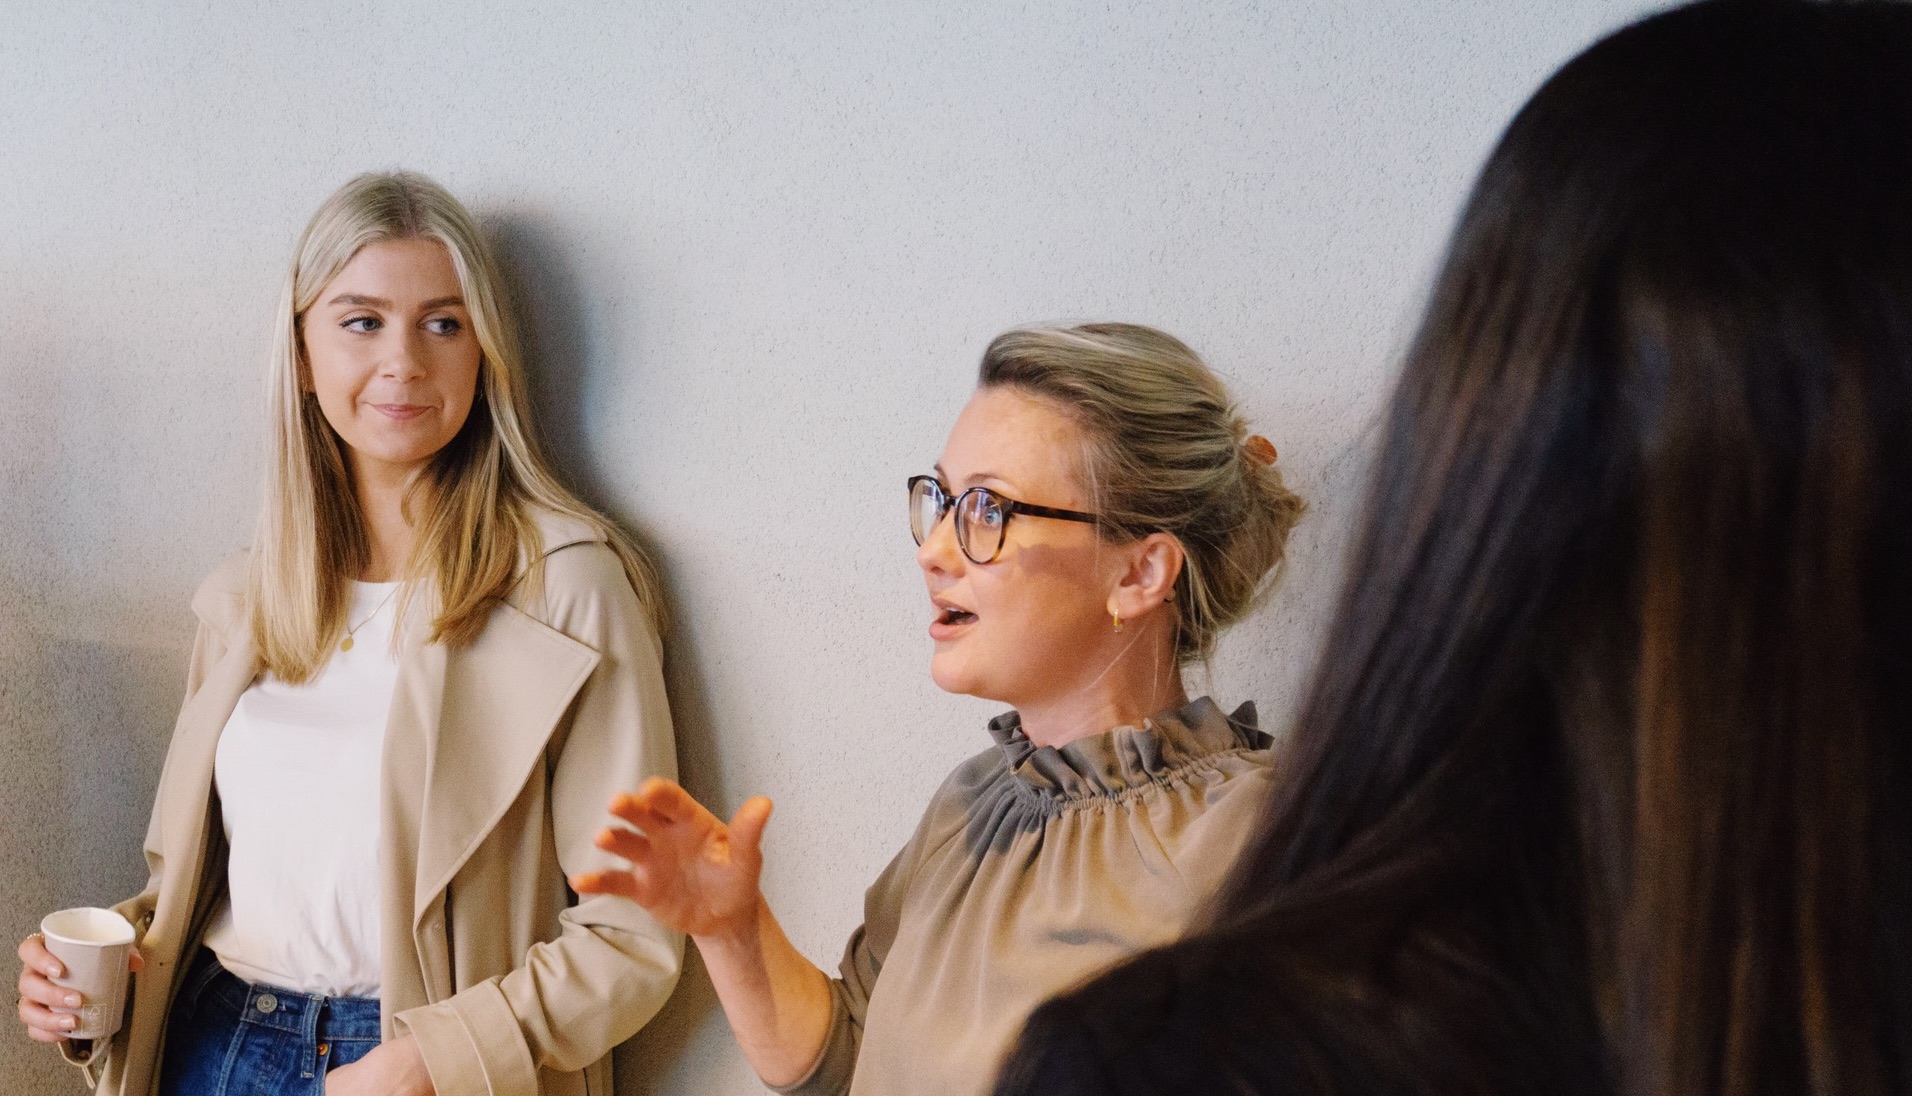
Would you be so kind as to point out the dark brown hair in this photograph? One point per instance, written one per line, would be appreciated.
(1604, 782)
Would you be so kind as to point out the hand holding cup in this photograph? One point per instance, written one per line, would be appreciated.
(73, 975)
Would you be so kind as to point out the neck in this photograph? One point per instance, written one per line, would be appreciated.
(1136, 685)
(388, 532)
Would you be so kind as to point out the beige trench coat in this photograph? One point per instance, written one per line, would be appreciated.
(499, 760)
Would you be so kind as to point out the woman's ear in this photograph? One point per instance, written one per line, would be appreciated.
(1154, 564)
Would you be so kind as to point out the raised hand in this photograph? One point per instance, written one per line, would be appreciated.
(699, 876)
(689, 869)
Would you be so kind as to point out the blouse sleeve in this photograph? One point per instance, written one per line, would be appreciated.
(835, 1066)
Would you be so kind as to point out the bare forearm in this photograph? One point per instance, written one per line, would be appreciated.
(778, 1002)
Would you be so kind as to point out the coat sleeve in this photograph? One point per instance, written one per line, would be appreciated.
(611, 967)
(90, 1056)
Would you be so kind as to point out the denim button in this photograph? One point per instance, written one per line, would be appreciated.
(268, 1003)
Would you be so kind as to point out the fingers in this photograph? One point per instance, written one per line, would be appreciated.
(659, 802)
(641, 883)
(39, 996)
(135, 962)
(747, 825)
(635, 809)
(628, 844)
(34, 956)
(43, 1024)
(621, 883)
(660, 805)
(37, 967)
(34, 987)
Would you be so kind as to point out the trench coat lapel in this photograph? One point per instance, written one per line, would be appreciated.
(189, 781)
(475, 719)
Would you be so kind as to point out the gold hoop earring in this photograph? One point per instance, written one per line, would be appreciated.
(1118, 621)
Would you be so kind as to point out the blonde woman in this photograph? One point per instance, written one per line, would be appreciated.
(406, 708)
(1098, 516)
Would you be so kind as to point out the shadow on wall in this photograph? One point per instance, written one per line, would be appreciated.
(560, 356)
(563, 362)
(86, 723)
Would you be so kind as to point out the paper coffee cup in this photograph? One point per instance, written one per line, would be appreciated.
(94, 946)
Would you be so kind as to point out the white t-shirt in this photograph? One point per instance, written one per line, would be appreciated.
(297, 773)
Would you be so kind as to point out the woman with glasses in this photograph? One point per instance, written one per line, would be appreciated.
(1098, 516)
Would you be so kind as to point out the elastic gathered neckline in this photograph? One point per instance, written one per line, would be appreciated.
(1166, 749)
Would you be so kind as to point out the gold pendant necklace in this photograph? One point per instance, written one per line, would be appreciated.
(350, 628)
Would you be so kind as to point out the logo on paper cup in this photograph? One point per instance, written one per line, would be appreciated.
(92, 1017)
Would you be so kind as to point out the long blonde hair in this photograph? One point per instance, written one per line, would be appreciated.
(475, 506)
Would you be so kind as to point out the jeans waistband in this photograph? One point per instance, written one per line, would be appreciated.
(330, 1018)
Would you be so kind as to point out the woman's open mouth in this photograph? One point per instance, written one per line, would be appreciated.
(950, 619)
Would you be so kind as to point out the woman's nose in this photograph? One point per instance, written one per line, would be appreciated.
(405, 359)
(939, 550)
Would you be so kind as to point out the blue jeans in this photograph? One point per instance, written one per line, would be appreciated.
(228, 1037)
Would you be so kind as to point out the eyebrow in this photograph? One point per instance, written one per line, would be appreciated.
(973, 478)
(361, 301)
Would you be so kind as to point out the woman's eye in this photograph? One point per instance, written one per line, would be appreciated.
(443, 325)
(364, 325)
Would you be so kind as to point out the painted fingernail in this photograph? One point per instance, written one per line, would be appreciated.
(68, 1021)
(72, 1000)
(53, 970)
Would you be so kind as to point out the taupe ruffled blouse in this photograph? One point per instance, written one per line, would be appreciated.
(1034, 869)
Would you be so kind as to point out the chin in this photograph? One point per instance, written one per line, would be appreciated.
(409, 454)
(947, 679)
(952, 677)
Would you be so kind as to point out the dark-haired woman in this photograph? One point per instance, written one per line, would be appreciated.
(1603, 782)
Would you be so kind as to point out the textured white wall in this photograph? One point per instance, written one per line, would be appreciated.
(760, 248)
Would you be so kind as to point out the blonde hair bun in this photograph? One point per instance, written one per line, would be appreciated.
(1166, 451)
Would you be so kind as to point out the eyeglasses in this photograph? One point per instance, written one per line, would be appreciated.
(982, 516)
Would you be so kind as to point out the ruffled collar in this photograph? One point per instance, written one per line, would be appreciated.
(1157, 752)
